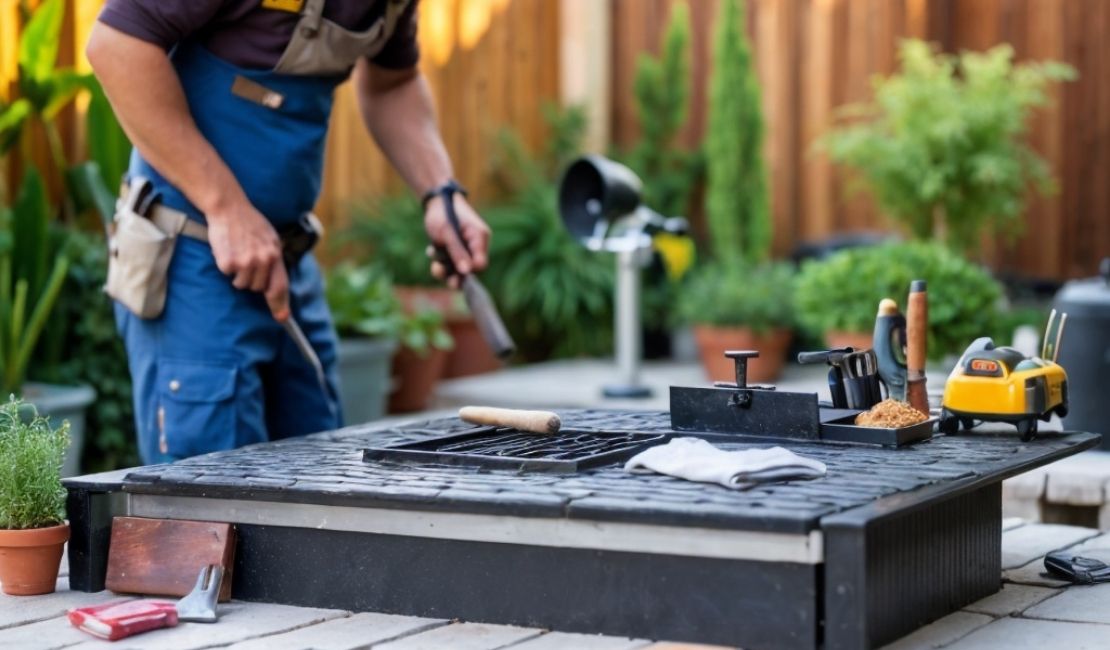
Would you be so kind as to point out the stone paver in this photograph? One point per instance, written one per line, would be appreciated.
(20, 610)
(1027, 543)
(940, 633)
(1025, 634)
(563, 641)
(1013, 599)
(238, 622)
(1080, 604)
(348, 633)
(464, 636)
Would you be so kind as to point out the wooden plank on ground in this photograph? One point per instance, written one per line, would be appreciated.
(351, 632)
(464, 636)
(561, 640)
(238, 622)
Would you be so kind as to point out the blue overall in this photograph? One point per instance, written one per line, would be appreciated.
(215, 371)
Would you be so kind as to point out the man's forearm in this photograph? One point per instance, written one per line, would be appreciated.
(398, 111)
(147, 97)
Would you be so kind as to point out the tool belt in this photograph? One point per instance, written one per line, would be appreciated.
(141, 241)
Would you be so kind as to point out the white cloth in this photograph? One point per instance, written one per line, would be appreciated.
(695, 459)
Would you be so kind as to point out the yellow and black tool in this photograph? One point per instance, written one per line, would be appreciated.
(1003, 385)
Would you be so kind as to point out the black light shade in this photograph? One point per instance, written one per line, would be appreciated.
(595, 189)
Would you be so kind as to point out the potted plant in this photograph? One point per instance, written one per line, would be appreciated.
(33, 530)
(734, 307)
(368, 319)
(943, 147)
(842, 293)
(738, 300)
(419, 362)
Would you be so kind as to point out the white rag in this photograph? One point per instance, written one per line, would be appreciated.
(695, 459)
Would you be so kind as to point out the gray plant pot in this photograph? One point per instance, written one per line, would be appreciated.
(64, 403)
(364, 377)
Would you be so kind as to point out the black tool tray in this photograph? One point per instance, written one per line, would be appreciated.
(837, 424)
(504, 448)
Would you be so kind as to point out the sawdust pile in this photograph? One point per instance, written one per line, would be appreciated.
(890, 414)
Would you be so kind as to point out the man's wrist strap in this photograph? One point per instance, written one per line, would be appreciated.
(447, 191)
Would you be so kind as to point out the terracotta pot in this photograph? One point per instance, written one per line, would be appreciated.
(471, 354)
(29, 559)
(714, 341)
(414, 379)
(857, 340)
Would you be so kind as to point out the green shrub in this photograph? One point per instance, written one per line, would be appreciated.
(729, 295)
(942, 147)
(31, 454)
(556, 297)
(736, 201)
(843, 292)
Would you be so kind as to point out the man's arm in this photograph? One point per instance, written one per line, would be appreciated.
(148, 99)
(397, 109)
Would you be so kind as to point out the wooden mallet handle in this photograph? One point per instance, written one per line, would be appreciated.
(531, 421)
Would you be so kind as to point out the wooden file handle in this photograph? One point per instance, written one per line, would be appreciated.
(531, 421)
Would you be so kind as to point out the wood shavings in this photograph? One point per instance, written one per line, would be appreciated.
(890, 414)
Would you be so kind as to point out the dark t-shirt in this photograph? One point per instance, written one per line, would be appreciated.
(248, 35)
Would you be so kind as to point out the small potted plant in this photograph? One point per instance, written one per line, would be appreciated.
(368, 318)
(841, 293)
(736, 307)
(33, 530)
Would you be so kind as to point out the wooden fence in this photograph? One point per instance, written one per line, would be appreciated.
(815, 55)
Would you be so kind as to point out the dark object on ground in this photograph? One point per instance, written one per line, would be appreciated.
(1077, 569)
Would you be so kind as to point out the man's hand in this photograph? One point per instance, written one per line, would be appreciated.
(475, 232)
(248, 250)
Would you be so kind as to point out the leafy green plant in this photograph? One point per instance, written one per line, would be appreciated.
(662, 91)
(736, 201)
(362, 301)
(843, 292)
(31, 454)
(29, 283)
(729, 295)
(555, 296)
(942, 147)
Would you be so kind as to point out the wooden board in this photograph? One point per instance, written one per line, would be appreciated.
(162, 557)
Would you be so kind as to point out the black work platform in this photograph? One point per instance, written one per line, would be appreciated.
(890, 540)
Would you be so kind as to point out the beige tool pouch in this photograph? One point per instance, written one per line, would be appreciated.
(139, 255)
